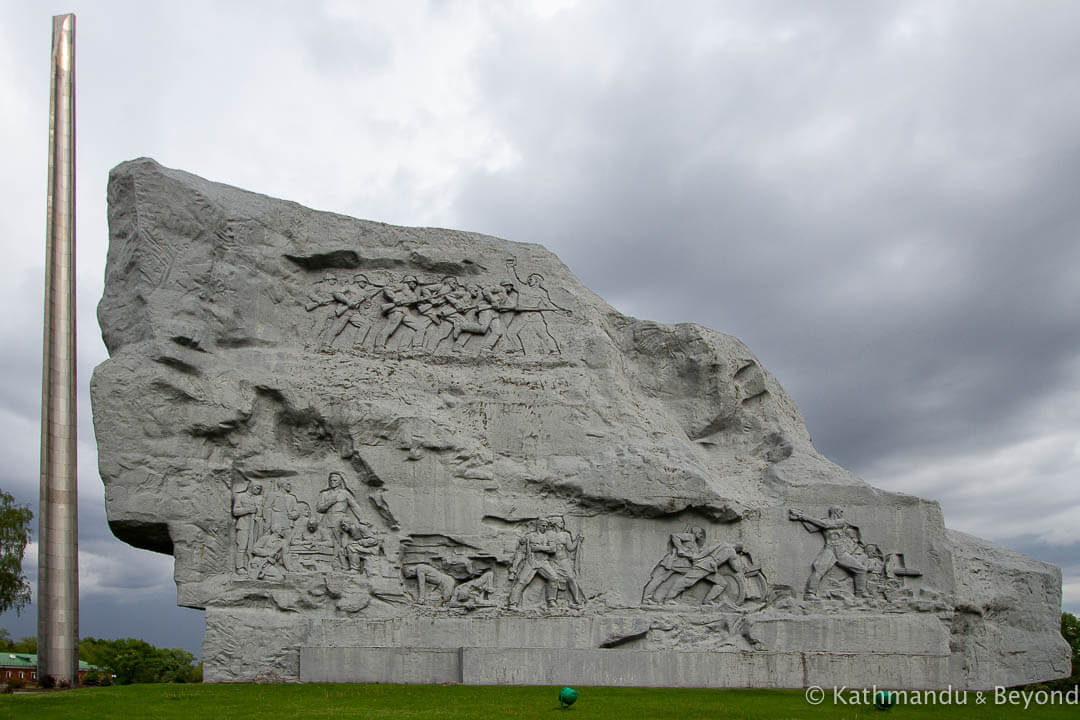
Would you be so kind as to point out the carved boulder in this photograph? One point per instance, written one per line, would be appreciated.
(390, 454)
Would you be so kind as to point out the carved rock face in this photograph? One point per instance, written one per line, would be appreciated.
(341, 428)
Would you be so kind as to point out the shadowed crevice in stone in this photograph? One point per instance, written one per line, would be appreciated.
(145, 535)
(352, 260)
(344, 259)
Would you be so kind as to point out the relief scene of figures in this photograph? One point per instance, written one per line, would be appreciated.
(438, 316)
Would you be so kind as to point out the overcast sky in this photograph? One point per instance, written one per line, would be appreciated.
(882, 199)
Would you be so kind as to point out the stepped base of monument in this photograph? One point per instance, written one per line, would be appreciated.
(623, 668)
(624, 648)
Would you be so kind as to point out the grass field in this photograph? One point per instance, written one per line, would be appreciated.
(296, 702)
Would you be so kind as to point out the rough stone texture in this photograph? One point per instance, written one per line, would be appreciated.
(657, 668)
(1007, 613)
(495, 477)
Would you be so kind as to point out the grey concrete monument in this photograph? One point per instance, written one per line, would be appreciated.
(390, 454)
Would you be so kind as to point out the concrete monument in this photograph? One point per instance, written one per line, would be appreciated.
(390, 454)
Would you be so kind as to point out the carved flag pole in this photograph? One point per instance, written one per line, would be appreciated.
(58, 553)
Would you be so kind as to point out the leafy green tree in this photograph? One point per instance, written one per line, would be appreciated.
(23, 645)
(14, 536)
(137, 661)
(1070, 630)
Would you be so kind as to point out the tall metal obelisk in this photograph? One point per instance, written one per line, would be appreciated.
(58, 543)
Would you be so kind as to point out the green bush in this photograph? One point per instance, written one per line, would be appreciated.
(137, 661)
(95, 678)
(1070, 630)
(24, 645)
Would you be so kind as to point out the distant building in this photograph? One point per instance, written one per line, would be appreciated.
(23, 666)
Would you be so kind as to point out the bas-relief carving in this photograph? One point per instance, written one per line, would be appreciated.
(548, 552)
(335, 503)
(247, 503)
(846, 562)
(500, 315)
(281, 539)
(448, 573)
(277, 534)
(726, 569)
(343, 333)
(475, 593)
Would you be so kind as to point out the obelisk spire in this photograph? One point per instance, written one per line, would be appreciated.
(58, 544)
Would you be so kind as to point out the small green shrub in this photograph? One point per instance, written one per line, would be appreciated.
(96, 678)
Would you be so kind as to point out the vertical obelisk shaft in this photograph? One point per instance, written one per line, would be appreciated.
(58, 549)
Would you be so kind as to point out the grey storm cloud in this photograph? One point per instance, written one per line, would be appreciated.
(877, 197)
(888, 223)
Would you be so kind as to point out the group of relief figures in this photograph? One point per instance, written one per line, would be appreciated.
(726, 569)
(276, 533)
(547, 551)
(437, 316)
(732, 578)
(871, 572)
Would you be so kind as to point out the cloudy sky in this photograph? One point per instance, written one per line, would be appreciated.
(879, 198)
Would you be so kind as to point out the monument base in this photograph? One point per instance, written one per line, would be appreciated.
(856, 649)
(622, 668)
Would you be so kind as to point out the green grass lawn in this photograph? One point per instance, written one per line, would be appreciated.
(265, 702)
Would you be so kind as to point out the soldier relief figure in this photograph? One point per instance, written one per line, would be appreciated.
(335, 503)
(842, 549)
(348, 303)
(275, 533)
(443, 315)
(247, 503)
(871, 572)
(566, 560)
(264, 526)
(549, 552)
(448, 574)
(475, 593)
(399, 300)
(533, 557)
(427, 574)
(725, 567)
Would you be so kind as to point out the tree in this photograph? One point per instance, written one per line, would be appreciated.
(14, 536)
(137, 661)
(1070, 630)
(25, 645)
